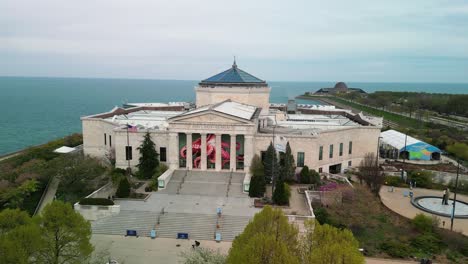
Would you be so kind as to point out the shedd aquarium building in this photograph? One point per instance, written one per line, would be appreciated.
(231, 121)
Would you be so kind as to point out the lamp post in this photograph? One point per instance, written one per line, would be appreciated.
(454, 196)
(404, 158)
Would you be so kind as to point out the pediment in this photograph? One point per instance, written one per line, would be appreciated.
(209, 117)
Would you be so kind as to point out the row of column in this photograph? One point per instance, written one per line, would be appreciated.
(218, 161)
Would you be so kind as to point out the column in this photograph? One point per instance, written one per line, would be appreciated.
(203, 152)
(248, 151)
(189, 150)
(173, 151)
(232, 153)
(218, 152)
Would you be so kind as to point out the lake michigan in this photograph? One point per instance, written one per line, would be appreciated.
(36, 110)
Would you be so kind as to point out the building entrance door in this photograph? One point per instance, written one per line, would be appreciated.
(335, 168)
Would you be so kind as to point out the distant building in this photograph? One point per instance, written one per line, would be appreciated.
(340, 87)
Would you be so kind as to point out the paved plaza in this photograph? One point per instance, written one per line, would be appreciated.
(400, 204)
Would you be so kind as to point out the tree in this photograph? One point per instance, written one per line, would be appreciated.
(19, 237)
(289, 167)
(256, 166)
(148, 161)
(123, 190)
(460, 150)
(65, 234)
(268, 239)
(202, 255)
(281, 193)
(14, 197)
(271, 164)
(304, 176)
(325, 244)
(257, 181)
(370, 173)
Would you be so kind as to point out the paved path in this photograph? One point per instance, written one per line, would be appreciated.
(144, 250)
(396, 202)
(49, 196)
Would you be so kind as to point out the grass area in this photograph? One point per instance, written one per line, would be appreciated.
(383, 233)
(400, 120)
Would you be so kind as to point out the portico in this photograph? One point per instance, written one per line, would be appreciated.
(218, 137)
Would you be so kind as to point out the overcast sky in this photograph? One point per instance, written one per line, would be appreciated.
(359, 40)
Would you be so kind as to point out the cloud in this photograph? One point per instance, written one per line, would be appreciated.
(190, 39)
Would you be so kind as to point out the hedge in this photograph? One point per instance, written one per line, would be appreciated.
(96, 201)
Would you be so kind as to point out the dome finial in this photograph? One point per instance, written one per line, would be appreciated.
(234, 65)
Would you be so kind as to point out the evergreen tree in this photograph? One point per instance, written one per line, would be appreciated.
(304, 176)
(257, 182)
(123, 190)
(281, 193)
(271, 164)
(289, 166)
(148, 161)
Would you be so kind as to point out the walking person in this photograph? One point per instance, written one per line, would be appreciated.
(447, 198)
(444, 196)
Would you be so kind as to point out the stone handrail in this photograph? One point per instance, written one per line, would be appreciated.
(164, 179)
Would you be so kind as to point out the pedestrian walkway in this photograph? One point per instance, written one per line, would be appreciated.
(400, 204)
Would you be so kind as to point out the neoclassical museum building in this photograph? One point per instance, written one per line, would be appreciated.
(231, 120)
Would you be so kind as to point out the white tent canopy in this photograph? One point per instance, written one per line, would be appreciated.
(397, 139)
(64, 150)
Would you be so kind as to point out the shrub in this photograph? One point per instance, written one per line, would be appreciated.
(119, 171)
(393, 181)
(428, 243)
(422, 223)
(123, 190)
(314, 176)
(322, 216)
(396, 249)
(304, 176)
(96, 201)
(422, 178)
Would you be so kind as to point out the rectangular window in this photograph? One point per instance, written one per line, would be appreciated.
(162, 154)
(321, 153)
(350, 148)
(341, 149)
(349, 163)
(128, 153)
(300, 159)
(263, 156)
(331, 151)
(320, 170)
(105, 139)
(110, 141)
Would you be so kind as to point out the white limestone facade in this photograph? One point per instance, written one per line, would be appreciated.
(231, 122)
(250, 95)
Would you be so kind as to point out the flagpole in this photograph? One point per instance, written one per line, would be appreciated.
(126, 154)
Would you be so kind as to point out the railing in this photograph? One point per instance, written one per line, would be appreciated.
(229, 184)
(182, 182)
(43, 195)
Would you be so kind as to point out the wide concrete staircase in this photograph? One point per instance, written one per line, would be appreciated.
(198, 226)
(231, 226)
(141, 221)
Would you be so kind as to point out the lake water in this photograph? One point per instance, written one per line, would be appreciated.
(37, 110)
